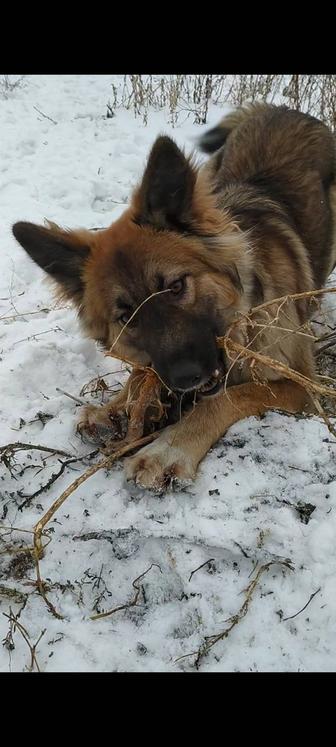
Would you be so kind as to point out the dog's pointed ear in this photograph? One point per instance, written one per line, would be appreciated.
(164, 198)
(62, 254)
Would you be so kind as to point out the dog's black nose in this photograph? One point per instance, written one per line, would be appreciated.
(185, 374)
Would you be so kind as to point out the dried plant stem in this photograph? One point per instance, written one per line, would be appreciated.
(39, 527)
(105, 463)
(71, 396)
(133, 602)
(12, 550)
(288, 373)
(9, 449)
(323, 414)
(12, 593)
(23, 313)
(53, 478)
(25, 635)
(292, 297)
(211, 641)
(127, 361)
(274, 325)
(291, 617)
(199, 567)
(45, 115)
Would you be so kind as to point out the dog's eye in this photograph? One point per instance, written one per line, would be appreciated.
(124, 318)
(177, 286)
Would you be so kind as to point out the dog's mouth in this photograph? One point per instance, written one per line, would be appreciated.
(213, 385)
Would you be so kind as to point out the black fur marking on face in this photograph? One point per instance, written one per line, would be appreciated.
(258, 295)
(123, 305)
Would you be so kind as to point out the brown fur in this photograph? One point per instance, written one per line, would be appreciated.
(256, 222)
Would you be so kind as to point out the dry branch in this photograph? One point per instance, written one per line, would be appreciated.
(14, 594)
(133, 602)
(211, 641)
(231, 347)
(291, 617)
(39, 527)
(71, 396)
(13, 619)
(199, 567)
(45, 115)
(292, 297)
(7, 452)
(143, 407)
(53, 478)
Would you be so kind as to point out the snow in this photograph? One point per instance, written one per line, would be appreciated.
(239, 512)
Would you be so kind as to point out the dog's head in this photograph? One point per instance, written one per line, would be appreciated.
(159, 284)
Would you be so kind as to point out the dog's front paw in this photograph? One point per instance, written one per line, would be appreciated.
(102, 424)
(157, 465)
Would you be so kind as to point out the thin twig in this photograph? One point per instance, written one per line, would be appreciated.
(45, 115)
(71, 396)
(300, 469)
(325, 347)
(7, 591)
(38, 529)
(211, 641)
(13, 619)
(111, 354)
(23, 313)
(323, 414)
(133, 602)
(53, 478)
(7, 453)
(199, 567)
(37, 334)
(292, 297)
(303, 608)
(242, 549)
(288, 373)
(18, 446)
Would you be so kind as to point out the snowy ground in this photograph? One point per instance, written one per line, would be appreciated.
(242, 510)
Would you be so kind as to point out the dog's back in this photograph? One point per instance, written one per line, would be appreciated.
(273, 158)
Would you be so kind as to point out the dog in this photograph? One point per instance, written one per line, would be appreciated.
(197, 248)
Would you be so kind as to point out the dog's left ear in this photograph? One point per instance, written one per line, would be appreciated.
(62, 254)
(166, 192)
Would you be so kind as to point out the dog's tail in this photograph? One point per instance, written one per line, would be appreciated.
(216, 137)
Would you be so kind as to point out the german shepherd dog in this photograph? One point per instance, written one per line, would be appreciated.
(252, 224)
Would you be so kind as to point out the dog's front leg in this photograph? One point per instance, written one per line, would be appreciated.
(176, 453)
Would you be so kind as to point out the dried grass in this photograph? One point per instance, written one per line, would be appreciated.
(190, 95)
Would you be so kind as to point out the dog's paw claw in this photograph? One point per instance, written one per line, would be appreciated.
(158, 467)
(102, 425)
